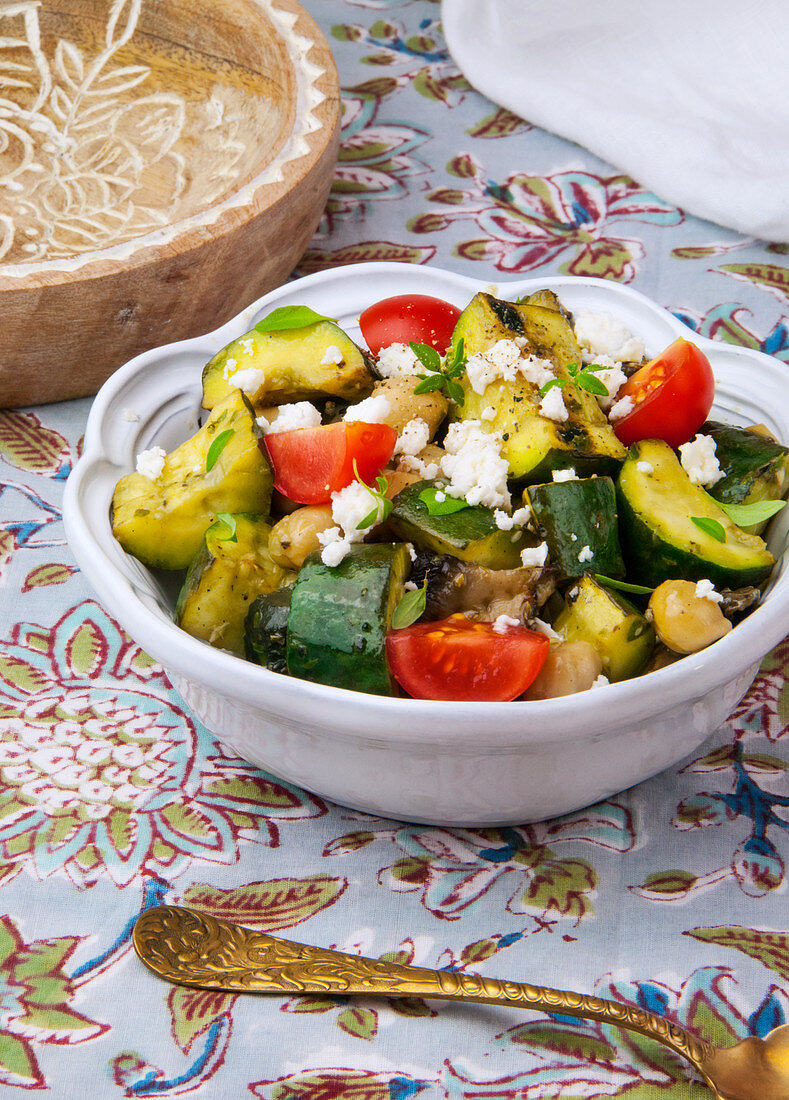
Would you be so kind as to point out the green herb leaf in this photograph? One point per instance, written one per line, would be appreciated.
(456, 392)
(368, 520)
(744, 515)
(710, 527)
(572, 369)
(441, 507)
(290, 317)
(591, 384)
(427, 356)
(625, 586)
(430, 383)
(560, 382)
(230, 523)
(410, 608)
(383, 506)
(218, 445)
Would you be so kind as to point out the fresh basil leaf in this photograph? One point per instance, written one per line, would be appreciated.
(229, 522)
(290, 317)
(591, 384)
(560, 382)
(368, 520)
(592, 368)
(441, 507)
(429, 384)
(456, 392)
(625, 586)
(744, 515)
(572, 369)
(710, 527)
(427, 356)
(410, 608)
(218, 445)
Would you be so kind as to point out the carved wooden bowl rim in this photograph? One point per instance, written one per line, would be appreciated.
(316, 121)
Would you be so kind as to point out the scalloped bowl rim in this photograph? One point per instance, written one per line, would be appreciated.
(508, 725)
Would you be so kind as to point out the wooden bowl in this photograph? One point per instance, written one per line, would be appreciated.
(162, 164)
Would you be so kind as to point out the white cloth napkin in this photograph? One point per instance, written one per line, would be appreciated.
(689, 97)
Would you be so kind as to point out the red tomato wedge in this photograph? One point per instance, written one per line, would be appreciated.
(672, 396)
(312, 463)
(456, 658)
(409, 317)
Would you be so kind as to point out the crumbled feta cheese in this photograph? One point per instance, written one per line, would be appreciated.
(413, 464)
(521, 516)
(573, 538)
(411, 551)
(473, 465)
(699, 460)
(612, 377)
(545, 628)
(601, 334)
(585, 554)
(413, 438)
(504, 521)
(397, 359)
(645, 467)
(565, 475)
(411, 586)
(601, 681)
(497, 363)
(335, 547)
(373, 410)
(150, 463)
(488, 413)
(248, 345)
(332, 355)
(552, 405)
(502, 624)
(622, 407)
(351, 505)
(248, 380)
(705, 590)
(536, 370)
(441, 496)
(131, 416)
(229, 367)
(534, 556)
(299, 414)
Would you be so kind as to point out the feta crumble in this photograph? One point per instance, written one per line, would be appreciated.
(613, 378)
(552, 405)
(332, 355)
(645, 467)
(705, 590)
(397, 359)
(229, 367)
(299, 414)
(585, 554)
(488, 413)
(699, 460)
(601, 681)
(373, 410)
(150, 463)
(440, 496)
(428, 471)
(335, 547)
(248, 380)
(473, 465)
(411, 586)
(602, 334)
(502, 624)
(565, 475)
(348, 508)
(248, 345)
(545, 628)
(620, 408)
(498, 363)
(413, 438)
(534, 556)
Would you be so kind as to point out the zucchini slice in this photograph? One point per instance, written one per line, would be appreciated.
(339, 617)
(266, 627)
(657, 506)
(755, 466)
(223, 580)
(578, 521)
(622, 636)
(162, 521)
(470, 534)
(297, 365)
(534, 444)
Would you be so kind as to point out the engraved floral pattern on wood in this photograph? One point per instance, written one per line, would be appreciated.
(92, 151)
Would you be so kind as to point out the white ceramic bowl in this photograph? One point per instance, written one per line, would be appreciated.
(434, 762)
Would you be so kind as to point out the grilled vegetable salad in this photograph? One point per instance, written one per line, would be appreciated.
(496, 503)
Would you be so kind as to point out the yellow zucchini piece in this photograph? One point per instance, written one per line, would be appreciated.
(162, 521)
(231, 569)
(619, 632)
(292, 367)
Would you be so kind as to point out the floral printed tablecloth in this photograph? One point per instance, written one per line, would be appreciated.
(113, 798)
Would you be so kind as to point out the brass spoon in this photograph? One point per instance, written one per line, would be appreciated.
(192, 948)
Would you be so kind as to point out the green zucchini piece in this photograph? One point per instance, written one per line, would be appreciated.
(661, 542)
(470, 534)
(293, 367)
(266, 629)
(755, 467)
(622, 636)
(225, 578)
(534, 445)
(578, 520)
(339, 617)
(162, 522)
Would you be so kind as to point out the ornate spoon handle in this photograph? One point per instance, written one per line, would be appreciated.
(192, 948)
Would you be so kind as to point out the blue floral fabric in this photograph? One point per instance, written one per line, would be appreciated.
(671, 896)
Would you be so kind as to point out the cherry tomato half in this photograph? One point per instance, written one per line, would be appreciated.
(312, 463)
(456, 658)
(409, 317)
(672, 396)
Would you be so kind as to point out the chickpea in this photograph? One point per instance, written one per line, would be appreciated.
(569, 667)
(407, 405)
(686, 623)
(295, 536)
